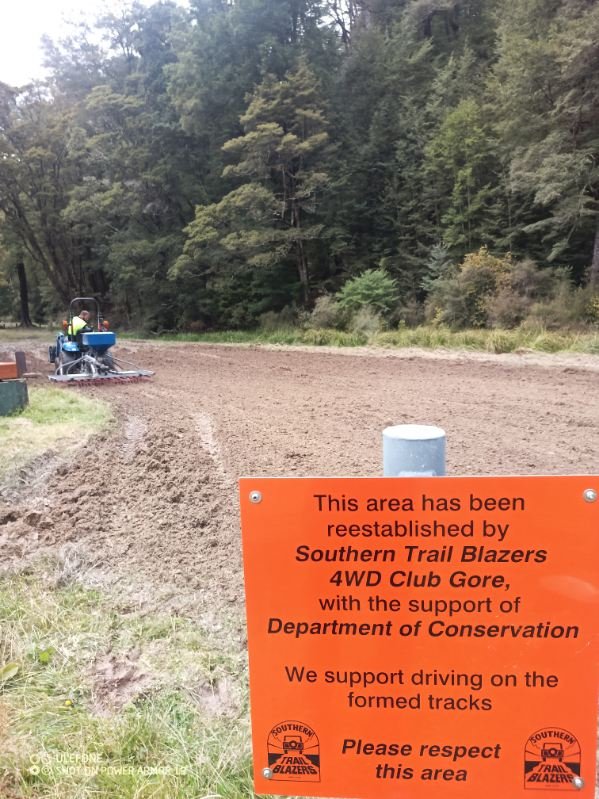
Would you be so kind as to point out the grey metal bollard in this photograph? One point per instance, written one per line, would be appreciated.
(413, 450)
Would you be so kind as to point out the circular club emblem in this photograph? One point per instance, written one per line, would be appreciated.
(551, 760)
(294, 752)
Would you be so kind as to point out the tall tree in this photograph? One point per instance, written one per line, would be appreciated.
(547, 82)
(273, 215)
(462, 163)
(37, 172)
(139, 189)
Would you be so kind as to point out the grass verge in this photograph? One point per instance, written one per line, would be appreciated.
(536, 339)
(55, 420)
(495, 341)
(12, 334)
(111, 703)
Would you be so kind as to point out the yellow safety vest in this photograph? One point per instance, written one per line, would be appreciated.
(76, 325)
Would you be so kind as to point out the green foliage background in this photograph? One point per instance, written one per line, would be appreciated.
(198, 168)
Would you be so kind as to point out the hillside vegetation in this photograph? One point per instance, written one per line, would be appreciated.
(375, 162)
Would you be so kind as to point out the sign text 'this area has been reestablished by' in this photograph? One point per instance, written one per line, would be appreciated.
(408, 636)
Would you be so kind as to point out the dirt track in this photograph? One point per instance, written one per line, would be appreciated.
(154, 508)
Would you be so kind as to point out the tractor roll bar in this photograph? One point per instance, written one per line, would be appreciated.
(86, 299)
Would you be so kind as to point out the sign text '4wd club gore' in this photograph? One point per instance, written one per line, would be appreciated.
(423, 637)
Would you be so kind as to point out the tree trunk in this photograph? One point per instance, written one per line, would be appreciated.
(594, 271)
(302, 262)
(302, 268)
(24, 295)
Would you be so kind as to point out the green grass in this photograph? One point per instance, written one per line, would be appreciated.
(64, 731)
(290, 336)
(535, 339)
(11, 334)
(429, 337)
(55, 420)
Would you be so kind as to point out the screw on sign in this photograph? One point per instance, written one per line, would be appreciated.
(416, 637)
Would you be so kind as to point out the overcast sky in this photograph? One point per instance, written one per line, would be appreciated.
(25, 21)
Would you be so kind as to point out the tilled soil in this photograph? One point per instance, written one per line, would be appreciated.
(151, 507)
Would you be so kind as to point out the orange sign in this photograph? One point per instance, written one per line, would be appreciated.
(424, 636)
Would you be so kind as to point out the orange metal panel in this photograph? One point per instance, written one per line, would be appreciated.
(414, 638)
(8, 371)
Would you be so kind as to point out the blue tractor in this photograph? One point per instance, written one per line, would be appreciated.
(85, 356)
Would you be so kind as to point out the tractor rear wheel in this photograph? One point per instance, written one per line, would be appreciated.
(66, 360)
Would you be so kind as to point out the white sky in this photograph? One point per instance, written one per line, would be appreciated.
(22, 24)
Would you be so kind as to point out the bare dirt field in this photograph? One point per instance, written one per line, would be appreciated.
(151, 507)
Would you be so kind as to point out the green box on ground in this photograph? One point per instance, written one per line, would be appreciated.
(13, 396)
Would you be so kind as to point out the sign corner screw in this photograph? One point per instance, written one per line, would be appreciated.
(578, 783)
(255, 497)
(267, 773)
(590, 495)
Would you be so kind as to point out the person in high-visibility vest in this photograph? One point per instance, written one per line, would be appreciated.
(79, 324)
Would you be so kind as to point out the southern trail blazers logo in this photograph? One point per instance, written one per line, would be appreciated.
(294, 752)
(552, 760)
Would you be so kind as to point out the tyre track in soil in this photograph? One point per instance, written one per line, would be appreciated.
(152, 507)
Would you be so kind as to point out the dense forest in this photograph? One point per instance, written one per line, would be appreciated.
(212, 166)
